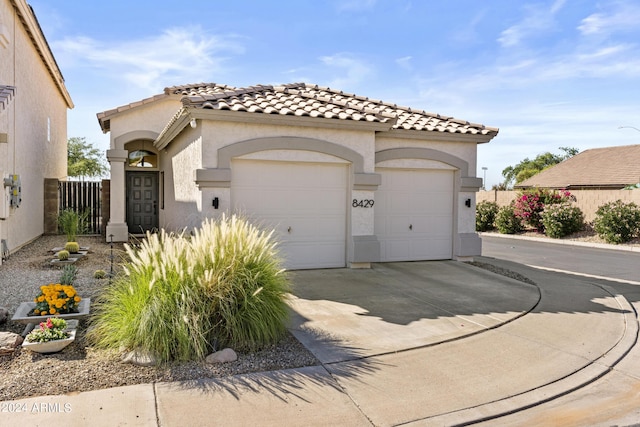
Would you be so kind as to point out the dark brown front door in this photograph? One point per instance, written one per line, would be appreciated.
(142, 201)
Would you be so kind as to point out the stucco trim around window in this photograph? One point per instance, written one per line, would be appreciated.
(123, 139)
(426, 154)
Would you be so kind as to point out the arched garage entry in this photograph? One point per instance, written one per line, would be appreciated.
(415, 209)
(299, 187)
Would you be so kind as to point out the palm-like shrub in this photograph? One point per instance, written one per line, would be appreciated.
(507, 222)
(180, 295)
(485, 215)
(562, 219)
(617, 222)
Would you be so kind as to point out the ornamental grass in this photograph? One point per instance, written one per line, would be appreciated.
(182, 296)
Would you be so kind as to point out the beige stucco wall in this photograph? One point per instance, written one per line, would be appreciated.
(36, 126)
(587, 200)
(219, 134)
(151, 117)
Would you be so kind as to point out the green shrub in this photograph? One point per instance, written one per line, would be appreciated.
(72, 223)
(486, 215)
(180, 295)
(507, 222)
(562, 219)
(99, 274)
(617, 222)
(63, 255)
(69, 273)
(530, 203)
(72, 247)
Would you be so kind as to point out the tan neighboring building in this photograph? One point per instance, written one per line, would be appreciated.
(343, 179)
(598, 168)
(33, 123)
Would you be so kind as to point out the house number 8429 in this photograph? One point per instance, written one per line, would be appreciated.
(364, 203)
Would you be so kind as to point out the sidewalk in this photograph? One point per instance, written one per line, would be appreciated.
(438, 343)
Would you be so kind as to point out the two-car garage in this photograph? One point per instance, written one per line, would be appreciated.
(308, 205)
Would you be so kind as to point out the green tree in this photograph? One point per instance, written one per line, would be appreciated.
(528, 168)
(83, 159)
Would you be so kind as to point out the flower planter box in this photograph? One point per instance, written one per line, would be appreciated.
(50, 346)
(22, 313)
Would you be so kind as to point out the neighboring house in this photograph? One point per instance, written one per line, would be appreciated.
(344, 180)
(33, 123)
(598, 168)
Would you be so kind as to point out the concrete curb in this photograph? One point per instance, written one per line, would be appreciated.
(545, 393)
(563, 242)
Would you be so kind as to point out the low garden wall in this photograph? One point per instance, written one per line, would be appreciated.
(587, 200)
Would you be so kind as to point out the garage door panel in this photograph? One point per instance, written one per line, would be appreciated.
(414, 214)
(305, 203)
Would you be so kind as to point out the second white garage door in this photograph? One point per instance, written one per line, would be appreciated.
(414, 214)
(304, 202)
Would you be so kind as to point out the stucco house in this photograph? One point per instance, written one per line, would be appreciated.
(599, 168)
(343, 179)
(33, 123)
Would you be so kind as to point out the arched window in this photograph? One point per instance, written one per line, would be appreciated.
(143, 159)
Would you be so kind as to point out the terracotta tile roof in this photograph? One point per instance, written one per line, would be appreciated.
(612, 167)
(6, 93)
(305, 100)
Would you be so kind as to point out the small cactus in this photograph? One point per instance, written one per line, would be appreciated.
(63, 255)
(99, 274)
(72, 247)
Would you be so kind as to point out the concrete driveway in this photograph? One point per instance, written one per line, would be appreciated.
(345, 314)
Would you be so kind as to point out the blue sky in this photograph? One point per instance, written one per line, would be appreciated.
(548, 73)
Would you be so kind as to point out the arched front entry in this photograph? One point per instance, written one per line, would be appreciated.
(142, 187)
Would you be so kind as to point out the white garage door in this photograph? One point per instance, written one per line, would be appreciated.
(304, 202)
(414, 214)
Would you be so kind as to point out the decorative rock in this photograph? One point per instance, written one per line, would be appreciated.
(4, 314)
(140, 358)
(222, 356)
(9, 341)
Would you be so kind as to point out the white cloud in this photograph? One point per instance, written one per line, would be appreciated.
(174, 55)
(405, 62)
(620, 17)
(538, 19)
(352, 70)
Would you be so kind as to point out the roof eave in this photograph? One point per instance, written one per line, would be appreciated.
(184, 116)
(431, 135)
(104, 117)
(30, 22)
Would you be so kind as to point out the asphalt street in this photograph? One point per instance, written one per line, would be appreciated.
(584, 260)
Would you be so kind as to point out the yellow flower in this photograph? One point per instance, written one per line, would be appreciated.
(77, 298)
(52, 310)
(44, 313)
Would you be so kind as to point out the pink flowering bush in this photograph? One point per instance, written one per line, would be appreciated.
(530, 204)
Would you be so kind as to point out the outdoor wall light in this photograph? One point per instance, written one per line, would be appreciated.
(193, 123)
(215, 203)
(467, 203)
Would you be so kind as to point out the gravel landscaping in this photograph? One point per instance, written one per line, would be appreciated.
(81, 368)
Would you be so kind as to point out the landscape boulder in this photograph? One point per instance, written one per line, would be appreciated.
(222, 356)
(9, 341)
(140, 358)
